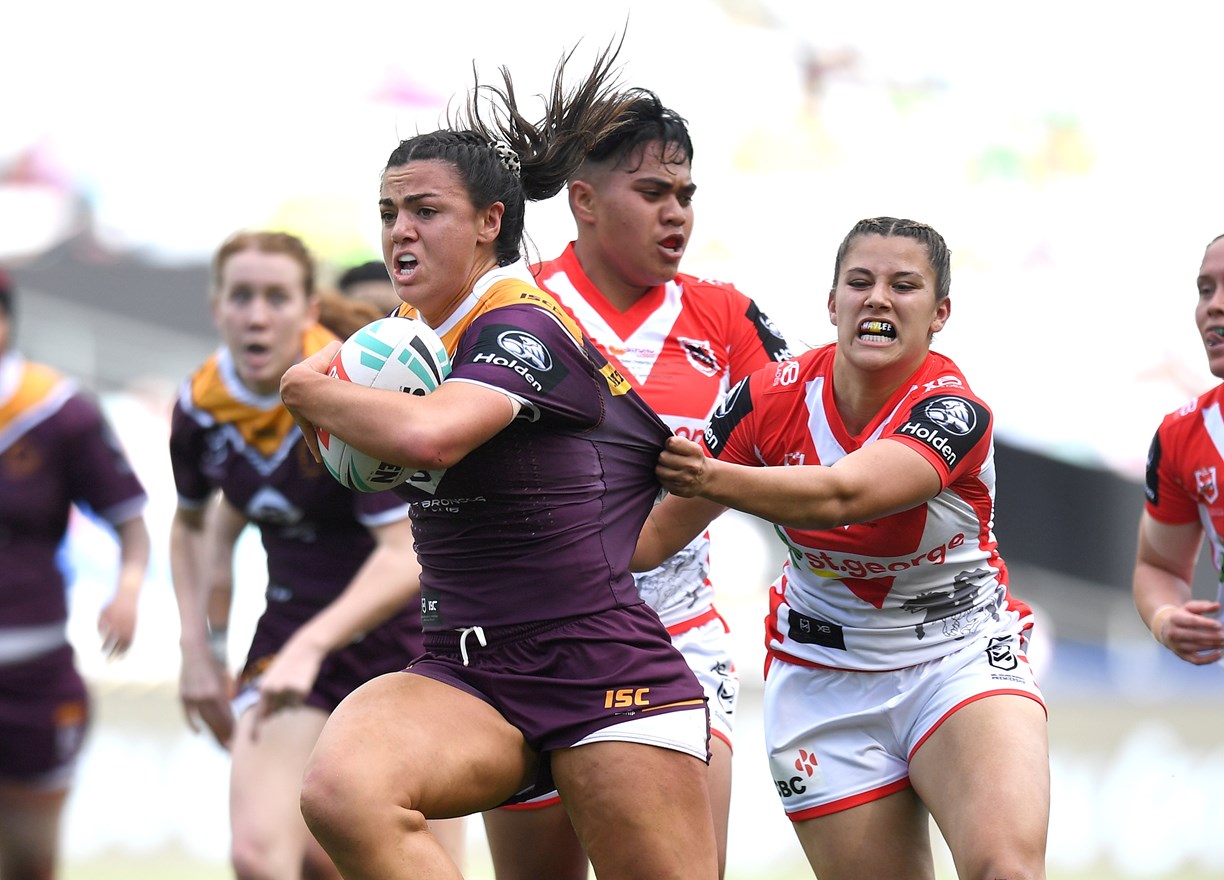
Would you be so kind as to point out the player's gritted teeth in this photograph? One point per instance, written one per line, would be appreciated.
(877, 330)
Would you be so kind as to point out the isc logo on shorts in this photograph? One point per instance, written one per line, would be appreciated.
(626, 698)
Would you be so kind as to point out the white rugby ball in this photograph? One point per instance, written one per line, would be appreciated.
(399, 354)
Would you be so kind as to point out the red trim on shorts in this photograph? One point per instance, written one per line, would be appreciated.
(963, 703)
(723, 737)
(855, 800)
(700, 620)
(533, 805)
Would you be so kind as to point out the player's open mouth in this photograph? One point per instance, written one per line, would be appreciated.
(673, 243)
(876, 330)
(406, 265)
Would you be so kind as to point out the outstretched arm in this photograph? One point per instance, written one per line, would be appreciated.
(1164, 569)
(882, 478)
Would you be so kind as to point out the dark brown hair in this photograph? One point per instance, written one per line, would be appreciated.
(938, 254)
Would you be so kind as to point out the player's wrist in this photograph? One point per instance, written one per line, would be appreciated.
(1160, 619)
(218, 644)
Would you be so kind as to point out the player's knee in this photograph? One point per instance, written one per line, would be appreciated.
(331, 800)
(1015, 865)
(253, 859)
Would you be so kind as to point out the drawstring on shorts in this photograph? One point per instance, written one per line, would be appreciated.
(464, 633)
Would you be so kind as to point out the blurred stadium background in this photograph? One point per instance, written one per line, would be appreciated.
(1070, 156)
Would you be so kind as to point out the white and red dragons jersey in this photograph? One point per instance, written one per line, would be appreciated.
(901, 589)
(682, 345)
(1185, 466)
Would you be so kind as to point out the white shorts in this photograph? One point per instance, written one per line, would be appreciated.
(838, 738)
(707, 650)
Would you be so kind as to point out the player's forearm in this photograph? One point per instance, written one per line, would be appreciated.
(191, 597)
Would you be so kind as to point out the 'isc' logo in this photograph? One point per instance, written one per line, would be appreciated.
(623, 698)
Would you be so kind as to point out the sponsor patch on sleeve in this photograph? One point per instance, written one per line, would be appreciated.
(735, 404)
(1151, 482)
(949, 424)
(520, 352)
(771, 337)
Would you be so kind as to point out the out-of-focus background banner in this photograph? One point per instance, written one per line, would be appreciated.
(1069, 153)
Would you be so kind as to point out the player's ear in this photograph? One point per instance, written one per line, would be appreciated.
(582, 201)
(943, 311)
(490, 223)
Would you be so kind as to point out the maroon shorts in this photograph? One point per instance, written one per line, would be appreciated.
(388, 647)
(44, 714)
(559, 681)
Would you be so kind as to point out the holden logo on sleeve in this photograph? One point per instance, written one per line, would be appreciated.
(526, 348)
(953, 414)
(949, 424)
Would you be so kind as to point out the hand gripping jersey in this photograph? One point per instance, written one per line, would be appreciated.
(315, 531)
(1184, 468)
(895, 591)
(56, 449)
(682, 345)
(539, 522)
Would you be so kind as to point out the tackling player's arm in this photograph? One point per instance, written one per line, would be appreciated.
(879, 479)
(672, 524)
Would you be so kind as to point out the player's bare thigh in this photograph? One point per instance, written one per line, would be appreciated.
(413, 741)
(641, 811)
(995, 744)
(888, 837)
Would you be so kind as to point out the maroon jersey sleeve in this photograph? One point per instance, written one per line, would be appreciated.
(99, 473)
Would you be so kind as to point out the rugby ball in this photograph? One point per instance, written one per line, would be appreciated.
(399, 354)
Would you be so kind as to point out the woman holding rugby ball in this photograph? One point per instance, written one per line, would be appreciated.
(544, 668)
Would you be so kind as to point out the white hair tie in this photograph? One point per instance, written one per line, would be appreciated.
(509, 159)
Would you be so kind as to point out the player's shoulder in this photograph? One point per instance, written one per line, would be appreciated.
(704, 286)
(940, 376)
(1190, 413)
